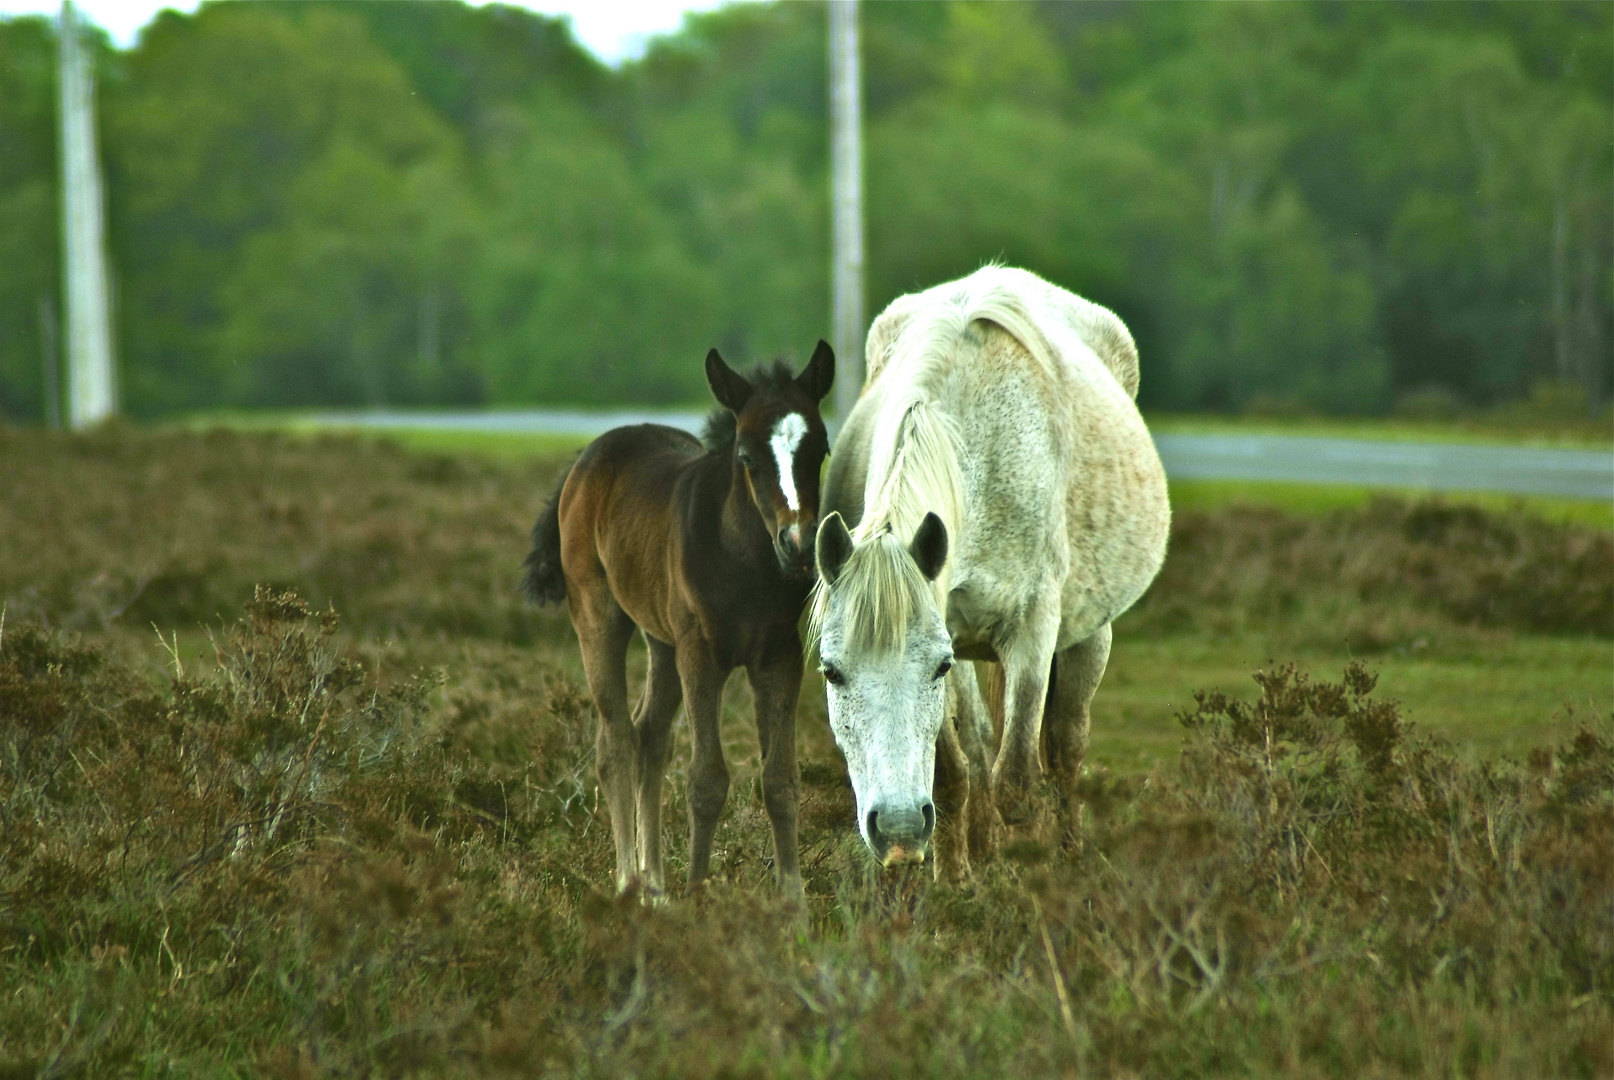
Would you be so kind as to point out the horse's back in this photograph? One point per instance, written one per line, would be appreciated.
(1024, 304)
(1061, 476)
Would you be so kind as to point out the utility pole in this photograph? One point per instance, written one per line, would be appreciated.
(91, 392)
(846, 196)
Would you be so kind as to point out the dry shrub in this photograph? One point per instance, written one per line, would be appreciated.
(277, 817)
(278, 864)
(1383, 572)
(1320, 871)
(287, 861)
(126, 528)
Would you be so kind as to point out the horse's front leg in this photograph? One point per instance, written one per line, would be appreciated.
(703, 680)
(776, 685)
(1026, 662)
(976, 739)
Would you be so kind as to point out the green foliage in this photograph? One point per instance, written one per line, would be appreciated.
(28, 229)
(1297, 207)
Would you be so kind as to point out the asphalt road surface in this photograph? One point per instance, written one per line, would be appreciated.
(1518, 470)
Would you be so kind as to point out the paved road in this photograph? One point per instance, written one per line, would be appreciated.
(1576, 474)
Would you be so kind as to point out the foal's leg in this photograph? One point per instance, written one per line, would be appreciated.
(1025, 685)
(1068, 723)
(703, 683)
(603, 631)
(776, 685)
(653, 721)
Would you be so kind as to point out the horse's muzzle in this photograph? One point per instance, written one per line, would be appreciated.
(898, 836)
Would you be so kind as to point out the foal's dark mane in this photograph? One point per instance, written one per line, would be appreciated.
(717, 433)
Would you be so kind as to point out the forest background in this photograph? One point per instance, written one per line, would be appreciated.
(1341, 208)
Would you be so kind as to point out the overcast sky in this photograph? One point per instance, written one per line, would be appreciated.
(613, 30)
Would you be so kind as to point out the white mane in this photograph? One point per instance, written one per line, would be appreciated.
(913, 464)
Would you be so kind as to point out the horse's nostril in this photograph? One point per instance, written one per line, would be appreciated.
(929, 810)
(874, 827)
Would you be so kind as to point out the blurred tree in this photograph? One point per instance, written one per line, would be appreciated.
(219, 139)
(29, 232)
(582, 292)
(1300, 205)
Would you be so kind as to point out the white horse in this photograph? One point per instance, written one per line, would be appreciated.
(995, 496)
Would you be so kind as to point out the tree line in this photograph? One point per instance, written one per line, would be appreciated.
(1331, 207)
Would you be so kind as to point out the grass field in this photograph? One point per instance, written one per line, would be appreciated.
(240, 839)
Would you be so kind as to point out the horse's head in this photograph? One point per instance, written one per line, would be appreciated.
(885, 652)
(779, 446)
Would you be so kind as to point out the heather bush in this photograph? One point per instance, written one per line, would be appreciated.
(284, 865)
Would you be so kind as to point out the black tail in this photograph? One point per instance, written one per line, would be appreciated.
(543, 580)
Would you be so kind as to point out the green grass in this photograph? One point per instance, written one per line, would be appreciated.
(1316, 499)
(1491, 695)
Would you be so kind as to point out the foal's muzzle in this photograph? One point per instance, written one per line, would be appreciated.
(793, 544)
(899, 835)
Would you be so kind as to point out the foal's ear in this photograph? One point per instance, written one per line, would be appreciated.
(833, 548)
(819, 374)
(929, 547)
(729, 387)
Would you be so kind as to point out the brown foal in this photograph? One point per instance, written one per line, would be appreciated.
(706, 546)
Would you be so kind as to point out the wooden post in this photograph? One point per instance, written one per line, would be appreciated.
(846, 169)
(91, 391)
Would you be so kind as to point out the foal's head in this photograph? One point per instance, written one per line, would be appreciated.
(778, 445)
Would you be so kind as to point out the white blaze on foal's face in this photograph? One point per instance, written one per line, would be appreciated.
(785, 439)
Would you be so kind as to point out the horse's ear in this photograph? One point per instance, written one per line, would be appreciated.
(729, 387)
(819, 374)
(833, 548)
(929, 547)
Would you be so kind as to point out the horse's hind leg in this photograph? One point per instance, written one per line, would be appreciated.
(653, 722)
(1068, 722)
(703, 683)
(966, 817)
(603, 631)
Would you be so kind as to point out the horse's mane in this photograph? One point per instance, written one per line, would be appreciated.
(717, 432)
(912, 471)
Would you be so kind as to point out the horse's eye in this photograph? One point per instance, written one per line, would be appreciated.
(943, 668)
(745, 459)
(832, 675)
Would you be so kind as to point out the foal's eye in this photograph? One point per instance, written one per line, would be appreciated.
(943, 668)
(745, 459)
(832, 675)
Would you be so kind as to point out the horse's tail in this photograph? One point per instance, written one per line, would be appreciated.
(543, 580)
